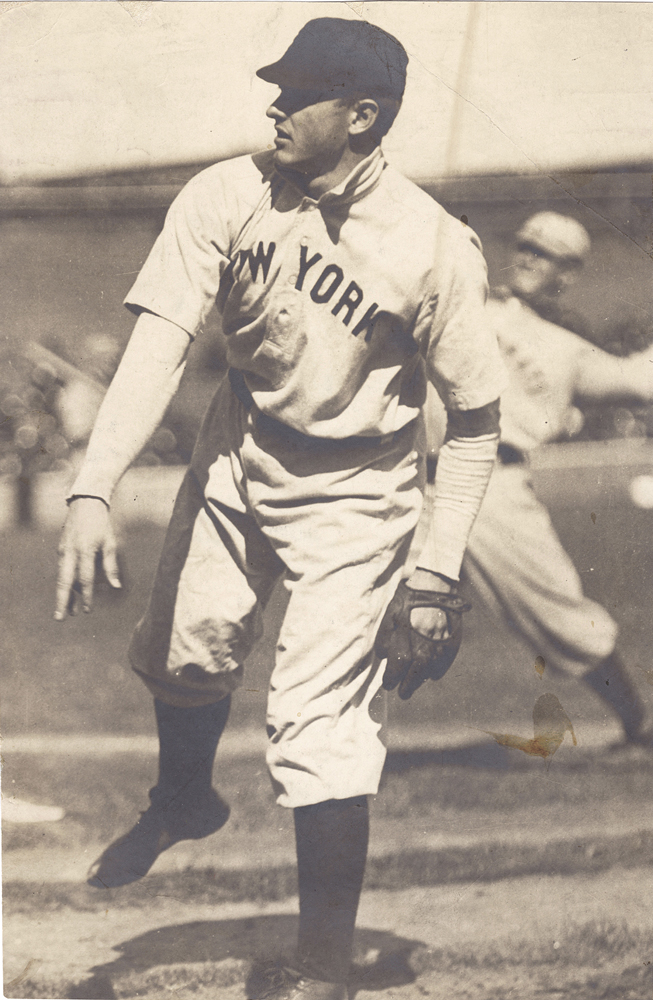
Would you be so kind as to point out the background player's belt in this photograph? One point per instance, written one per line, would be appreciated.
(509, 455)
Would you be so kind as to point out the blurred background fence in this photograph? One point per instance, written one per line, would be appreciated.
(71, 248)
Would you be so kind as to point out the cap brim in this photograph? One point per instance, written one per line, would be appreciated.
(291, 76)
(269, 73)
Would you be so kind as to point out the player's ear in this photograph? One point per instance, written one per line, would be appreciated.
(364, 114)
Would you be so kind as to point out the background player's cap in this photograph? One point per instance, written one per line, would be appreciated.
(342, 56)
(558, 235)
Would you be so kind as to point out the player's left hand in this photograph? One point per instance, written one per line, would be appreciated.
(419, 635)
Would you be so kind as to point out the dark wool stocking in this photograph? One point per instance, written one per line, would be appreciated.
(188, 740)
(332, 840)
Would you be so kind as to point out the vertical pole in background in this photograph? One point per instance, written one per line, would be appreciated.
(464, 67)
(24, 498)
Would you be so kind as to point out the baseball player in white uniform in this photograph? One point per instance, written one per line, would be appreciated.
(342, 288)
(514, 557)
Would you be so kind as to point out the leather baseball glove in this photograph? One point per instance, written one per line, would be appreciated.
(412, 656)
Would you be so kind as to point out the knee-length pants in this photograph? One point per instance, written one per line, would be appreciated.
(336, 518)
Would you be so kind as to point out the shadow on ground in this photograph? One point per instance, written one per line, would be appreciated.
(487, 755)
(223, 952)
(482, 755)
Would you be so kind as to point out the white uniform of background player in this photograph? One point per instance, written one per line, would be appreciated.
(342, 288)
(514, 557)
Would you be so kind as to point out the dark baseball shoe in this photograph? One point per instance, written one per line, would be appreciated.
(131, 856)
(287, 984)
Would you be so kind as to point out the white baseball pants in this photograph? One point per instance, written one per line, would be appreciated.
(337, 518)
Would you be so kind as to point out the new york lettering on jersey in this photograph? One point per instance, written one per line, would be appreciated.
(323, 283)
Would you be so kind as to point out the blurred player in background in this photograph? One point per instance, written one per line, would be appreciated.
(514, 557)
(548, 258)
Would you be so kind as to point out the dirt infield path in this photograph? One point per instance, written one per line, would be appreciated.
(512, 881)
(534, 938)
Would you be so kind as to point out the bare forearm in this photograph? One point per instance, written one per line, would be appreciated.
(144, 384)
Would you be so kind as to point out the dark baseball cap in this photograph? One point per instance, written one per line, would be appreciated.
(344, 56)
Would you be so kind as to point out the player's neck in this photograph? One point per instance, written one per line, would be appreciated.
(316, 186)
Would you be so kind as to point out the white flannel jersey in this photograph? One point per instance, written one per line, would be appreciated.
(337, 309)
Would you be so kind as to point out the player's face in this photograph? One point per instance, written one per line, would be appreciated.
(312, 131)
(535, 273)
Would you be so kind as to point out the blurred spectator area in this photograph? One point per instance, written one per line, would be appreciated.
(71, 249)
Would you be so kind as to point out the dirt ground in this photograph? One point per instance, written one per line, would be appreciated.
(534, 938)
(511, 880)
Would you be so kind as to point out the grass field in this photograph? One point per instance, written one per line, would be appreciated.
(74, 677)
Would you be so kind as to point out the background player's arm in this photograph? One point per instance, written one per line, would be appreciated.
(144, 384)
(602, 376)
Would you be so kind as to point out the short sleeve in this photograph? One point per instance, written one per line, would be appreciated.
(460, 348)
(181, 276)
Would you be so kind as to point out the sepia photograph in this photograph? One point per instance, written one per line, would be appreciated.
(326, 499)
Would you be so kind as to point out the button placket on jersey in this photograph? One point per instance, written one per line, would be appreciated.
(305, 206)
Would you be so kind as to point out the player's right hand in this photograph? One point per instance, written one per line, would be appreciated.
(86, 533)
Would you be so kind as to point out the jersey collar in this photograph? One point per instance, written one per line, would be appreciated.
(364, 178)
(360, 182)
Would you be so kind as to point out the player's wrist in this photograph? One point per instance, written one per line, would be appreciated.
(87, 496)
(91, 487)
